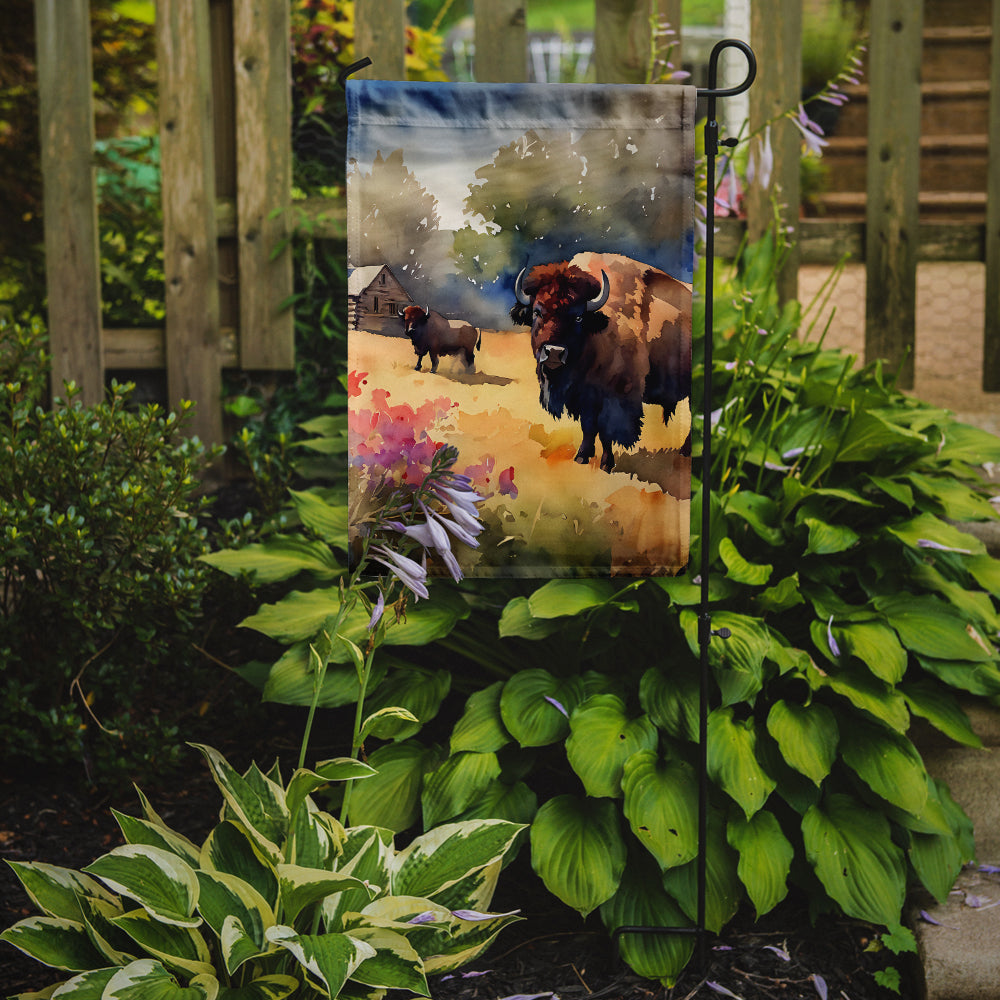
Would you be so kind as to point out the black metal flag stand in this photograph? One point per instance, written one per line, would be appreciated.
(705, 631)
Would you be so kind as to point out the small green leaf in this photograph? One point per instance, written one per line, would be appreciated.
(481, 727)
(562, 598)
(807, 736)
(828, 539)
(765, 858)
(739, 569)
(732, 760)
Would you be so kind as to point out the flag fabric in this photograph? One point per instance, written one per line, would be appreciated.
(520, 261)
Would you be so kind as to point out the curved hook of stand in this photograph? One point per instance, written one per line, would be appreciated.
(353, 68)
(712, 90)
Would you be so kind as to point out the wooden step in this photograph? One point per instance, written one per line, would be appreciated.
(957, 206)
(946, 105)
(956, 53)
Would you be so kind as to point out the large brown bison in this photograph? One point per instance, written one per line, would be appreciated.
(608, 334)
(433, 334)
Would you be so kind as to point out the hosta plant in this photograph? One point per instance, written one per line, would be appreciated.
(279, 900)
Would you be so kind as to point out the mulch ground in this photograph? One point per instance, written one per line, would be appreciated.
(550, 953)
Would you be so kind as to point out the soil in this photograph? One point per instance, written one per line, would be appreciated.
(552, 952)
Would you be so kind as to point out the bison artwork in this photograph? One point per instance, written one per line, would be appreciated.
(608, 334)
(433, 334)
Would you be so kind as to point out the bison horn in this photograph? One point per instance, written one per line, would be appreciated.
(595, 303)
(519, 290)
(400, 312)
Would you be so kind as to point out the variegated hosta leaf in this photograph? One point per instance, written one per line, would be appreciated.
(807, 736)
(367, 853)
(158, 880)
(468, 939)
(300, 887)
(225, 897)
(661, 805)
(256, 801)
(147, 979)
(642, 902)
(274, 987)
(328, 959)
(315, 838)
(850, 847)
(602, 737)
(395, 964)
(723, 889)
(141, 831)
(578, 851)
(732, 760)
(177, 947)
(535, 706)
(765, 858)
(475, 891)
(441, 857)
(116, 946)
(481, 727)
(56, 891)
(55, 941)
(304, 782)
(230, 849)
(456, 784)
(86, 986)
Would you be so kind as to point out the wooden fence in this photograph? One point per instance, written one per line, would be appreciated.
(226, 161)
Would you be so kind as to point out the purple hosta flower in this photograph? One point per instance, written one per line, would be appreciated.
(558, 705)
(761, 163)
(927, 543)
(460, 499)
(475, 915)
(377, 612)
(412, 574)
(719, 988)
(727, 197)
(990, 869)
(831, 642)
(812, 134)
(427, 917)
(820, 983)
(780, 952)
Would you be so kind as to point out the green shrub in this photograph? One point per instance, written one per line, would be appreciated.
(854, 603)
(99, 542)
(280, 899)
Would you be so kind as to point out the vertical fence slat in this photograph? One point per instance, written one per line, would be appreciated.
(501, 41)
(380, 34)
(621, 40)
(776, 34)
(991, 332)
(261, 41)
(72, 256)
(893, 183)
(190, 253)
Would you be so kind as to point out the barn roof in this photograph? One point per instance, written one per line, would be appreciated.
(360, 278)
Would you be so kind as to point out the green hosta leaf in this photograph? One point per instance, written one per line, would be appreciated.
(937, 858)
(274, 987)
(670, 699)
(326, 520)
(517, 620)
(56, 891)
(297, 616)
(230, 849)
(723, 889)
(54, 941)
(391, 798)
(985, 570)
(957, 501)
(941, 709)
(732, 760)
(975, 605)
(866, 692)
(481, 728)
(226, 898)
(965, 443)
(456, 784)
(828, 539)
(418, 691)
(516, 803)
(850, 848)
(602, 738)
(888, 763)
(931, 628)
(561, 598)
(301, 887)
(641, 901)
(159, 881)
(291, 680)
(738, 569)
(535, 706)
(578, 851)
(870, 436)
(661, 799)
(438, 859)
(758, 511)
(279, 558)
(876, 646)
(180, 948)
(738, 661)
(807, 736)
(260, 809)
(330, 959)
(893, 488)
(395, 964)
(765, 858)
(142, 831)
(928, 528)
(147, 979)
(976, 678)
(783, 595)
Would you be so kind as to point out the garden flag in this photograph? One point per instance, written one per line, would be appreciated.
(519, 286)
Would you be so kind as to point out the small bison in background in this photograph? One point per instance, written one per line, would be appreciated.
(608, 334)
(433, 334)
